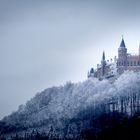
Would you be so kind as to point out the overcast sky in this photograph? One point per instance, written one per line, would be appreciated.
(44, 43)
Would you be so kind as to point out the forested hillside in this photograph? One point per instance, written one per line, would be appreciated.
(90, 109)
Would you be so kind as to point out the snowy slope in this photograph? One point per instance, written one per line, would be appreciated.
(56, 106)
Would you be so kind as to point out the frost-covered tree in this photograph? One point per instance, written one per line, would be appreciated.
(67, 109)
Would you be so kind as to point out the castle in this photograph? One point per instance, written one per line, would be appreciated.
(125, 61)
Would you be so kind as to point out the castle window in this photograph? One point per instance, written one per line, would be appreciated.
(134, 63)
(131, 63)
(127, 63)
(124, 63)
(119, 63)
(138, 63)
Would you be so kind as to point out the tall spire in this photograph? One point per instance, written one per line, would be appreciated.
(103, 57)
(122, 45)
(103, 63)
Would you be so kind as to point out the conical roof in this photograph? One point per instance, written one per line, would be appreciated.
(122, 45)
(103, 57)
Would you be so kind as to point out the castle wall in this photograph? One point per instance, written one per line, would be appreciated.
(133, 60)
(129, 63)
(99, 72)
(133, 63)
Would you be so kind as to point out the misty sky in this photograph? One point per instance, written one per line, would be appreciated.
(48, 42)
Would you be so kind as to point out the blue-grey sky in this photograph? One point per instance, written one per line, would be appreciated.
(48, 42)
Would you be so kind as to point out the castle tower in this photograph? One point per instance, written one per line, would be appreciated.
(122, 57)
(122, 50)
(103, 63)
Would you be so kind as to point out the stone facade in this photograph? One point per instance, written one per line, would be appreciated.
(125, 61)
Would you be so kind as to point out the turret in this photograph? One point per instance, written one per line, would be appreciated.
(92, 70)
(91, 73)
(122, 50)
(103, 63)
(122, 57)
(103, 58)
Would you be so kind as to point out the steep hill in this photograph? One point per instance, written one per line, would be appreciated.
(71, 110)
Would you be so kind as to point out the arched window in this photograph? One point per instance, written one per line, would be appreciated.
(131, 63)
(134, 63)
(127, 63)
